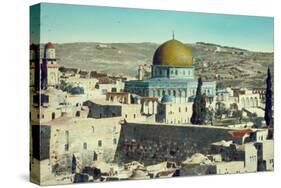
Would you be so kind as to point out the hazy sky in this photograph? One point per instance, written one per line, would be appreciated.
(73, 23)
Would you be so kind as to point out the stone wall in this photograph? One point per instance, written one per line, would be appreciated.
(151, 144)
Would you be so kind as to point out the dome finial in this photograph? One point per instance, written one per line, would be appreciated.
(173, 35)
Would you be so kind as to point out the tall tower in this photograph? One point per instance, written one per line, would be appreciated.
(140, 72)
(34, 66)
(50, 72)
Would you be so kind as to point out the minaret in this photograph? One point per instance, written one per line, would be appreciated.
(50, 53)
(141, 72)
(34, 66)
(50, 73)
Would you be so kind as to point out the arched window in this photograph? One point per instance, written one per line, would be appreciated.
(247, 102)
(84, 145)
(251, 102)
(256, 101)
(114, 141)
(77, 114)
(243, 102)
(174, 93)
(176, 72)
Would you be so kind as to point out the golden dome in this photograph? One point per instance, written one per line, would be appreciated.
(173, 53)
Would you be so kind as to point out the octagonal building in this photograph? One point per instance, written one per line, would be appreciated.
(172, 75)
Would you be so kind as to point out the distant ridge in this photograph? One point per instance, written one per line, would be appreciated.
(233, 65)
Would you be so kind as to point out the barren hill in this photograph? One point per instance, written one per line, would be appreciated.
(232, 66)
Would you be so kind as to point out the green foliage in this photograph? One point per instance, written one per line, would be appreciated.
(62, 69)
(268, 101)
(199, 106)
(65, 86)
(73, 164)
(220, 110)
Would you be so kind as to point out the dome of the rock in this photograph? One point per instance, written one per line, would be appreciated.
(173, 53)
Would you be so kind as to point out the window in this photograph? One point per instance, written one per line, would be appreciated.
(158, 93)
(53, 115)
(66, 147)
(134, 116)
(77, 114)
(176, 72)
(100, 143)
(179, 109)
(114, 129)
(93, 129)
(174, 93)
(84, 145)
(114, 141)
(67, 136)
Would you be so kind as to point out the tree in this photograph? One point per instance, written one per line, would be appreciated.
(199, 106)
(62, 69)
(74, 164)
(268, 100)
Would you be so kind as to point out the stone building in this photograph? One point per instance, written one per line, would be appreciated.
(247, 98)
(250, 146)
(53, 144)
(173, 113)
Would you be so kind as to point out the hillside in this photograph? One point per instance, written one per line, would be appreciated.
(232, 66)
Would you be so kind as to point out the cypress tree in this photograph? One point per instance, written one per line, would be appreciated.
(74, 164)
(199, 106)
(268, 100)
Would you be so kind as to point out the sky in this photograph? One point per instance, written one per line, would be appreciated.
(60, 23)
